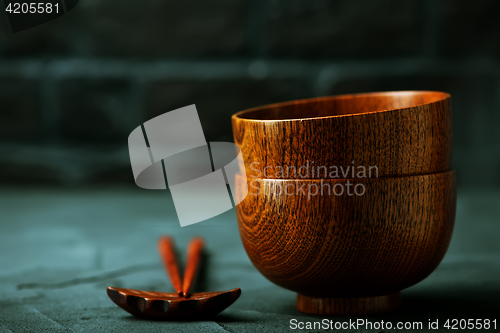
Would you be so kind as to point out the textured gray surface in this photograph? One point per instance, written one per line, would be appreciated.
(60, 249)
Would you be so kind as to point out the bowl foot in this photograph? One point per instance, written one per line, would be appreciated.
(340, 306)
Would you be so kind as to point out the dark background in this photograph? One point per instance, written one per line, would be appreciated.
(72, 90)
(72, 220)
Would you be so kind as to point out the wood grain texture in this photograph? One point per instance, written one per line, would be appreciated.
(345, 246)
(348, 306)
(159, 305)
(402, 133)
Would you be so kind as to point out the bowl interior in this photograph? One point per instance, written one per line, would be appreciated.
(342, 105)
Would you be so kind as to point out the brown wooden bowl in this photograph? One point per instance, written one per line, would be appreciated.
(402, 133)
(348, 255)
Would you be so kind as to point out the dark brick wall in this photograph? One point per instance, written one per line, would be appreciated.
(356, 28)
(71, 90)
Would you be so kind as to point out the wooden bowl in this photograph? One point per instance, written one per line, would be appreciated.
(348, 255)
(402, 133)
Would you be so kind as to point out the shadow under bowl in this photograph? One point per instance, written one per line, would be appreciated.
(347, 254)
(402, 133)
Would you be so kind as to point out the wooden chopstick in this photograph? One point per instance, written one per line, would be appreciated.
(194, 254)
(169, 258)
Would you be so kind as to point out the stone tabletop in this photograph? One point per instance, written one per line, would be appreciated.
(61, 248)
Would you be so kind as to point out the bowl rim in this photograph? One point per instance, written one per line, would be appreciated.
(449, 172)
(238, 115)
